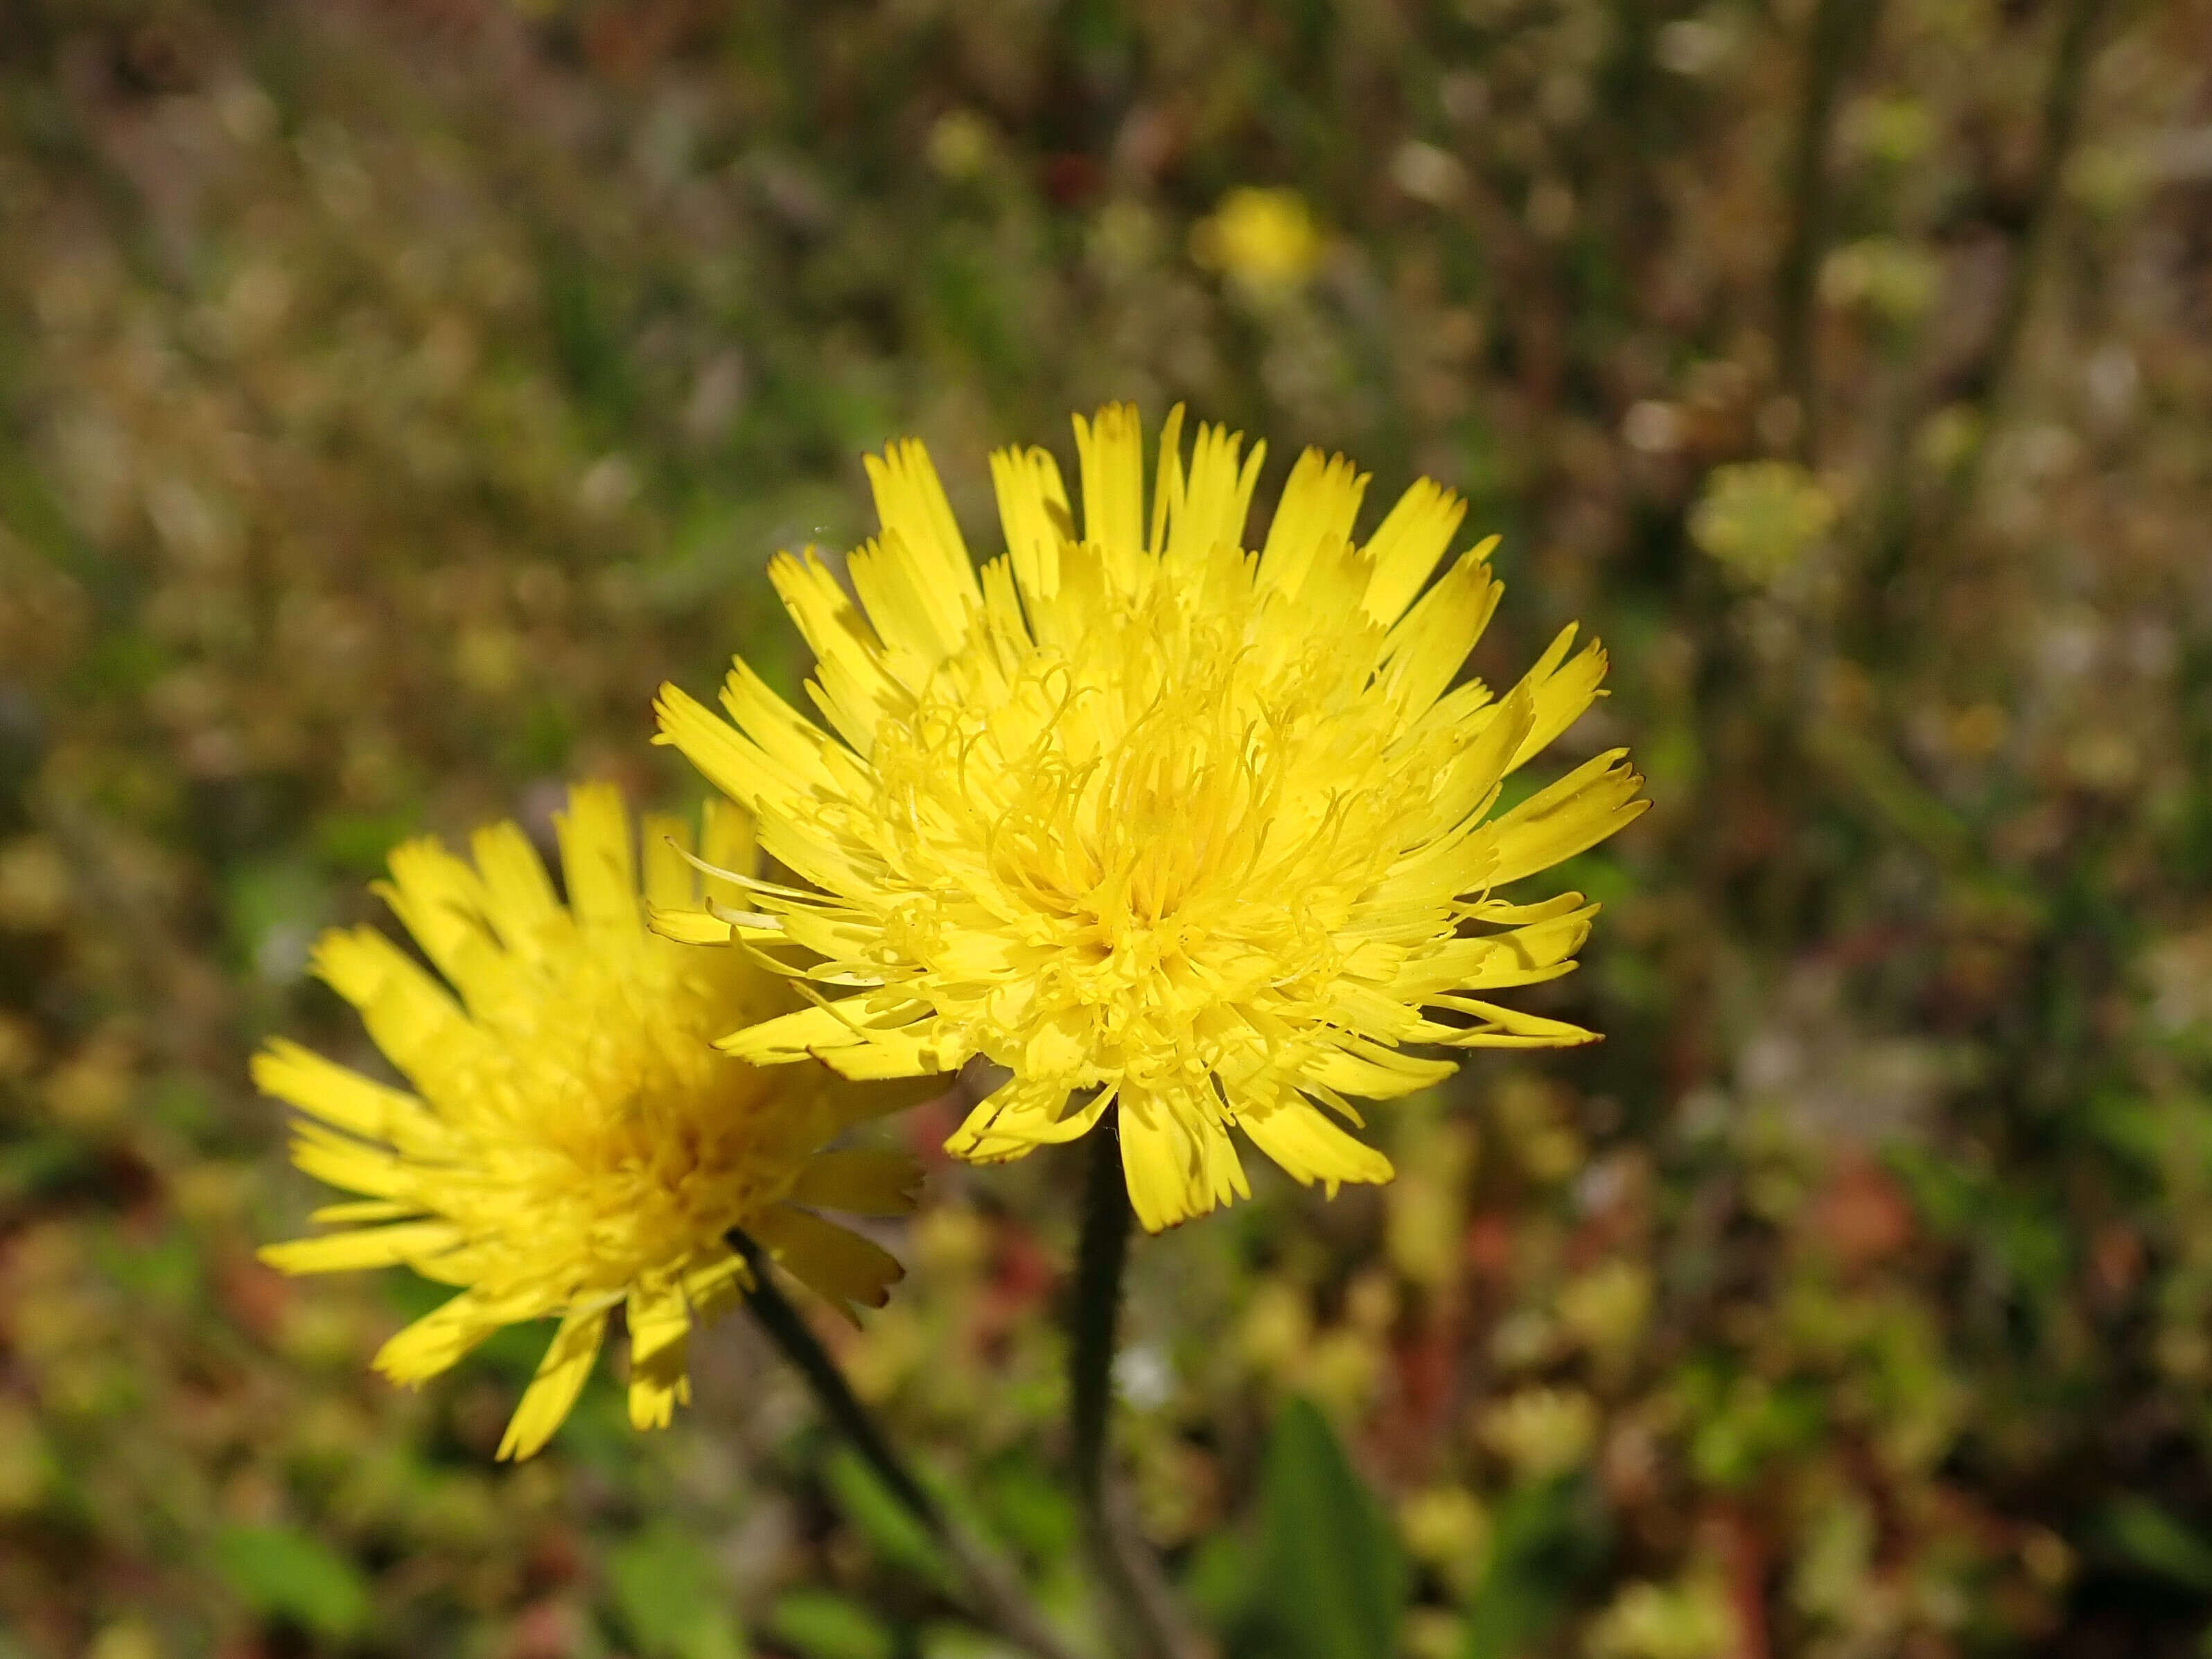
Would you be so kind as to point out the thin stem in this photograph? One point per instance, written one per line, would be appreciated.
(2062, 120)
(1897, 528)
(1145, 1621)
(996, 1596)
(1100, 1257)
(1840, 33)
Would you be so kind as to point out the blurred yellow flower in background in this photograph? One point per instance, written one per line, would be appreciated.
(1263, 240)
(1155, 822)
(1758, 518)
(574, 1142)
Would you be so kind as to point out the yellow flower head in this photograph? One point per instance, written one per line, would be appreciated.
(573, 1140)
(1154, 822)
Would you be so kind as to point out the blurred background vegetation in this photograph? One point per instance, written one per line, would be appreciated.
(394, 392)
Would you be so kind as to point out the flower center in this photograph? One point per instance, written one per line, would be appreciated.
(628, 1141)
(1161, 828)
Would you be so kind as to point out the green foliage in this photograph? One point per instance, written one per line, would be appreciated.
(1326, 1580)
(887, 1525)
(1547, 1540)
(289, 1575)
(818, 1624)
(2149, 1537)
(670, 1599)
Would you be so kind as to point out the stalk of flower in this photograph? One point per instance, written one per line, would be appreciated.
(1164, 826)
(571, 1142)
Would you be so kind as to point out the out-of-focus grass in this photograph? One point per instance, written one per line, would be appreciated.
(395, 393)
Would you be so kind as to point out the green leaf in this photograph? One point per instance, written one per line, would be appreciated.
(1328, 1581)
(2150, 1538)
(1543, 1542)
(820, 1626)
(281, 1574)
(670, 1599)
(893, 1533)
(1028, 1505)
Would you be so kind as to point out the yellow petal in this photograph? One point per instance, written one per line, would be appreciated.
(1407, 544)
(663, 841)
(519, 898)
(1424, 650)
(1504, 914)
(1319, 506)
(1208, 510)
(727, 842)
(853, 685)
(560, 1377)
(376, 1247)
(1309, 1147)
(1034, 512)
(1502, 1028)
(862, 1180)
(659, 1327)
(689, 926)
(1561, 694)
(904, 595)
(782, 743)
(596, 860)
(441, 902)
(842, 1035)
(1573, 815)
(1177, 1158)
(343, 1161)
(714, 1283)
(911, 504)
(1110, 447)
(337, 1094)
(1374, 1072)
(1022, 1114)
(356, 1212)
(433, 1342)
(417, 1024)
(839, 1266)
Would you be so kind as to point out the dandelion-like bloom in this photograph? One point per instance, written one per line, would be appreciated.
(1265, 240)
(574, 1142)
(1758, 518)
(1153, 822)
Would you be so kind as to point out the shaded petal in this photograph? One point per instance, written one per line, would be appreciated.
(1022, 1114)
(441, 1336)
(1177, 1158)
(1573, 815)
(659, 1324)
(862, 1180)
(1302, 1139)
(1320, 504)
(837, 1265)
(1034, 510)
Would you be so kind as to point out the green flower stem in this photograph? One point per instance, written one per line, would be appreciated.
(1146, 1625)
(996, 1596)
